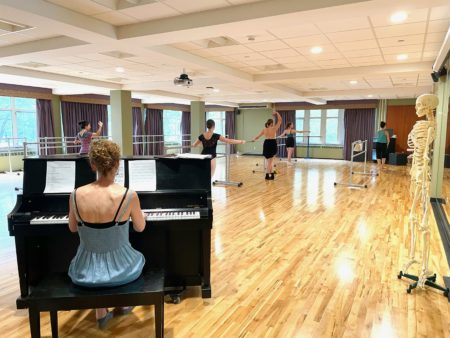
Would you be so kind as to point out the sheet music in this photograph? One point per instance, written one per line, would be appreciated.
(142, 175)
(120, 175)
(60, 177)
(194, 156)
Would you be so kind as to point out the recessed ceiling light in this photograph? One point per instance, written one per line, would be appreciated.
(370, 95)
(402, 57)
(353, 82)
(120, 69)
(399, 17)
(216, 90)
(316, 50)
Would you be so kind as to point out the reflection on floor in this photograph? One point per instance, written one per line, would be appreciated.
(294, 257)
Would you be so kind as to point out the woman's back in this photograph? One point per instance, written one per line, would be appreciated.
(381, 136)
(270, 132)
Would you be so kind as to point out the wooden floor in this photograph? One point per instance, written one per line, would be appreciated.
(294, 257)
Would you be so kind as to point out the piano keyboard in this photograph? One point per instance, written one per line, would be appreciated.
(150, 215)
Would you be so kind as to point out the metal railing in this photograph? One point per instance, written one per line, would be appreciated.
(153, 144)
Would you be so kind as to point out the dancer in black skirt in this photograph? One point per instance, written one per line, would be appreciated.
(209, 141)
(290, 139)
(270, 143)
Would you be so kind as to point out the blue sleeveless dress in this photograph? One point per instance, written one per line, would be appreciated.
(105, 257)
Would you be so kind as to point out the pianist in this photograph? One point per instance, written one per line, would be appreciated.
(100, 212)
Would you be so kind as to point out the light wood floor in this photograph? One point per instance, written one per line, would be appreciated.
(294, 257)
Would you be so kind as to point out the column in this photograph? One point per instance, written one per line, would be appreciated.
(56, 110)
(437, 167)
(198, 120)
(122, 120)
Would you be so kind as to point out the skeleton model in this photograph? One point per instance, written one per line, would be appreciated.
(421, 140)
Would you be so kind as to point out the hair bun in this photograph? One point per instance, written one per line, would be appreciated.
(105, 155)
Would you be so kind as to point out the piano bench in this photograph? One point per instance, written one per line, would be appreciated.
(57, 292)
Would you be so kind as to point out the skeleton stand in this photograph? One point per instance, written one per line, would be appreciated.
(227, 181)
(354, 155)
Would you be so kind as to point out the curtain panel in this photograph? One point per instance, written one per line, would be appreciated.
(359, 124)
(138, 130)
(45, 123)
(286, 117)
(154, 131)
(230, 128)
(74, 112)
(185, 131)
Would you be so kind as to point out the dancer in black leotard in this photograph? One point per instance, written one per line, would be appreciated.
(290, 139)
(209, 141)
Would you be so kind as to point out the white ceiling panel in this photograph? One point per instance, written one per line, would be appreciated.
(353, 35)
(295, 31)
(361, 52)
(357, 45)
(291, 59)
(399, 41)
(412, 57)
(311, 40)
(343, 25)
(435, 38)
(231, 50)
(115, 18)
(401, 30)
(402, 49)
(261, 62)
(438, 26)
(416, 15)
(374, 58)
(248, 57)
(438, 13)
(281, 53)
(195, 6)
(87, 7)
(152, 11)
(258, 36)
(267, 45)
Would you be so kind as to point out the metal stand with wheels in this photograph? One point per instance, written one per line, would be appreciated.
(358, 148)
(227, 181)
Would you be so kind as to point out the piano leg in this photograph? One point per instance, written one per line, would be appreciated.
(206, 261)
(35, 323)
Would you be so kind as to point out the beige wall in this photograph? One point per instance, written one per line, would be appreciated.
(16, 163)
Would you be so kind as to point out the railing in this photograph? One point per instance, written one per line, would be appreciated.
(153, 144)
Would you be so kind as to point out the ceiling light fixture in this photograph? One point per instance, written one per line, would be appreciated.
(216, 90)
(402, 57)
(120, 70)
(370, 95)
(399, 17)
(316, 50)
(353, 82)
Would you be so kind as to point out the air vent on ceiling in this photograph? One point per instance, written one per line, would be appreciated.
(118, 54)
(32, 64)
(7, 27)
(220, 41)
(255, 105)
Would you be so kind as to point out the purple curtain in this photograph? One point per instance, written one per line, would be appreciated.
(74, 112)
(359, 124)
(185, 130)
(154, 128)
(230, 128)
(286, 117)
(46, 126)
(138, 129)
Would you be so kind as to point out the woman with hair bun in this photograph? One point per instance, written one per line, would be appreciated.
(290, 139)
(100, 213)
(85, 135)
(209, 141)
(270, 146)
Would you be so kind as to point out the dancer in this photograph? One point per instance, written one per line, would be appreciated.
(383, 140)
(290, 139)
(270, 143)
(209, 141)
(85, 135)
(100, 213)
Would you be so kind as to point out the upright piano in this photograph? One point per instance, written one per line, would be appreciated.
(177, 237)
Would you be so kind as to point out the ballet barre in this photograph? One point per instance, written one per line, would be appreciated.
(358, 148)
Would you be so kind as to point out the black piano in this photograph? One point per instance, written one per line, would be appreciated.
(177, 237)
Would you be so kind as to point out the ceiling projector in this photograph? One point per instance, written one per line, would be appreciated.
(183, 80)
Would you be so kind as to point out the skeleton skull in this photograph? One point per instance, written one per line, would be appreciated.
(425, 104)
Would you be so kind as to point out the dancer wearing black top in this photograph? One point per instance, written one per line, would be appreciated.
(209, 141)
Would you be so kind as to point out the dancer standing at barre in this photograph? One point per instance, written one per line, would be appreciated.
(85, 135)
(209, 141)
(270, 143)
(290, 132)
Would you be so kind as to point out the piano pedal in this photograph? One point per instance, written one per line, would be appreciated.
(174, 295)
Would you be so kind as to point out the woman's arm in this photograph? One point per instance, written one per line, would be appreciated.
(302, 131)
(99, 130)
(279, 120)
(388, 138)
(284, 133)
(73, 226)
(137, 216)
(196, 143)
(230, 140)
(259, 135)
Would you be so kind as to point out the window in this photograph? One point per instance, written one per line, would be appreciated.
(326, 126)
(17, 120)
(172, 127)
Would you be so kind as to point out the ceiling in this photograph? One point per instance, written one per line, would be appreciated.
(248, 51)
